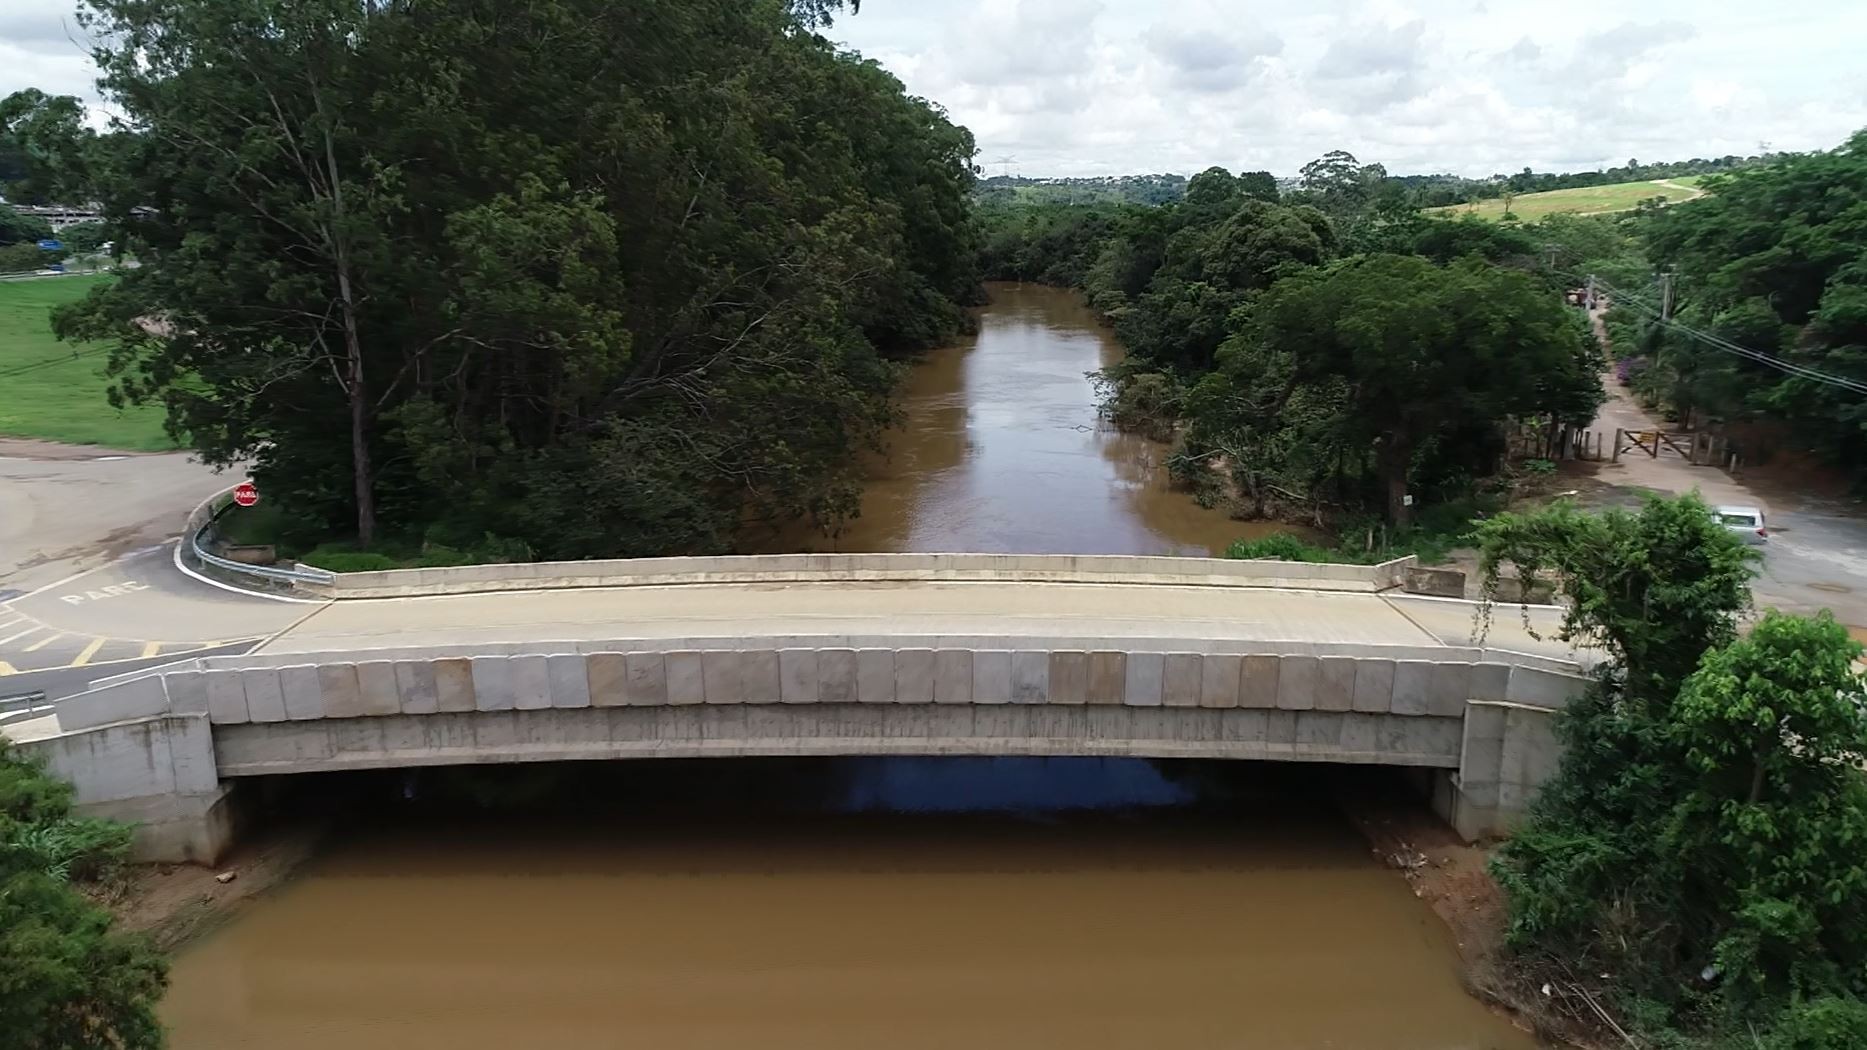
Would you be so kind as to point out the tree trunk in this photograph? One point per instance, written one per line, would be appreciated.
(361, 468)
(359, 393)
(360, 465)
(1395, 456)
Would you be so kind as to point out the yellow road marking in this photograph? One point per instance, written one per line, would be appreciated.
(22, 634)
(6, 668)
(89, 651)
(43, 642)
(151, 648)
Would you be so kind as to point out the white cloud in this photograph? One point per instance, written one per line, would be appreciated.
(1469, 86)
(1419, 85)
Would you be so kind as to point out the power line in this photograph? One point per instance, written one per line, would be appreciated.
(33, 366)
(1726, 346)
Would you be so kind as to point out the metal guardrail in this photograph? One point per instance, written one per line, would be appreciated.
(20, 706)
(198, 538)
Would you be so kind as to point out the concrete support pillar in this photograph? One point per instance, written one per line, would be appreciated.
(1510, 750)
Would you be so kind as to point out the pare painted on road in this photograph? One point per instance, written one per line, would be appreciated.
(115, 590)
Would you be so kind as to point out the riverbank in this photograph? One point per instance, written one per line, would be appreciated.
(175, 903)
(1453, 878)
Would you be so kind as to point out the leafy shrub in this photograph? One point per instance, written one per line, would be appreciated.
(1828, 1023)
(74, 848)
(1701, 838)
(1147, 403)
(68, 978)
(338, 559)
(1281, 546)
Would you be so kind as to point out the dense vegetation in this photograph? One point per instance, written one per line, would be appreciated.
(1319, 347)
(575, 277)
(1771, 262)
(42, 149)
(67, 978)
(1695, 864)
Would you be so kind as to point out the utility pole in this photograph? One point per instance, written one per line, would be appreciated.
(1666, 295)
(1588, 296)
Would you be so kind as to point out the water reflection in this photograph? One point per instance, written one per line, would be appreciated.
(1023, 785)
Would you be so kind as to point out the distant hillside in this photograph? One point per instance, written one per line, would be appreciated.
(1589, 200)
(1132, 189)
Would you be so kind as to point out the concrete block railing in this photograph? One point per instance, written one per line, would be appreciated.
(295, 687)
(1064, 568)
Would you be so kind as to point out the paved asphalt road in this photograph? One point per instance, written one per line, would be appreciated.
(1816, 557)
(88, 585)
(136, 608)
(66, 508)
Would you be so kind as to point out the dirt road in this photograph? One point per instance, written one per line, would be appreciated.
(1816, 557)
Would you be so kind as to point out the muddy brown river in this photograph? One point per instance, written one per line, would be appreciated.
(857, 903)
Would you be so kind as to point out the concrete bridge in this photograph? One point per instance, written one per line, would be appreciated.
(829, 655)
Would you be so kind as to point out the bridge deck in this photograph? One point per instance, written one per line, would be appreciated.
(1011, 610)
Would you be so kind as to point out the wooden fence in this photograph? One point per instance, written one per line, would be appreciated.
(1543, 441)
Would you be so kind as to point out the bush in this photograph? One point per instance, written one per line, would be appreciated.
(337, 559)
(1147, 403)
(1828, 1023)
(1701, 839)
(1282, 546)
(67, 977)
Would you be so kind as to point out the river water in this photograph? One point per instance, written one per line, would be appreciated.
(1001, 451)
(901, 903)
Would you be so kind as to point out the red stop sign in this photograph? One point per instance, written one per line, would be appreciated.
(245, 494)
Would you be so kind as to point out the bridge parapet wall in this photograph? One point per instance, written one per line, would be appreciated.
(392, 682)
(1063, 568)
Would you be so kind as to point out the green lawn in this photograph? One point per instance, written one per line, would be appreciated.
(1622, 196)
(55, 390)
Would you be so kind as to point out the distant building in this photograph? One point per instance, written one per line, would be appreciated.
(59, 216)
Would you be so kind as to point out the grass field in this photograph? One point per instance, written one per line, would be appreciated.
(1622, 196)
(55, 390)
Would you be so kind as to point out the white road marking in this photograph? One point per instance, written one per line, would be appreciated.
(193, 575)
(22, 634)
(112, 590)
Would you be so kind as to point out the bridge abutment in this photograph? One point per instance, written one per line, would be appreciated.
(155, 773)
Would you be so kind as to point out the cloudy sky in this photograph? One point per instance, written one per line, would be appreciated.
(1086, 87)
(1092, 87)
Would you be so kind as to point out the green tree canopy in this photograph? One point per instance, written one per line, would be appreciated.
(1700, 840)
(604, 278)
(1656, 588)
(46, 149)
(1771, 260)
(1422, 349)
